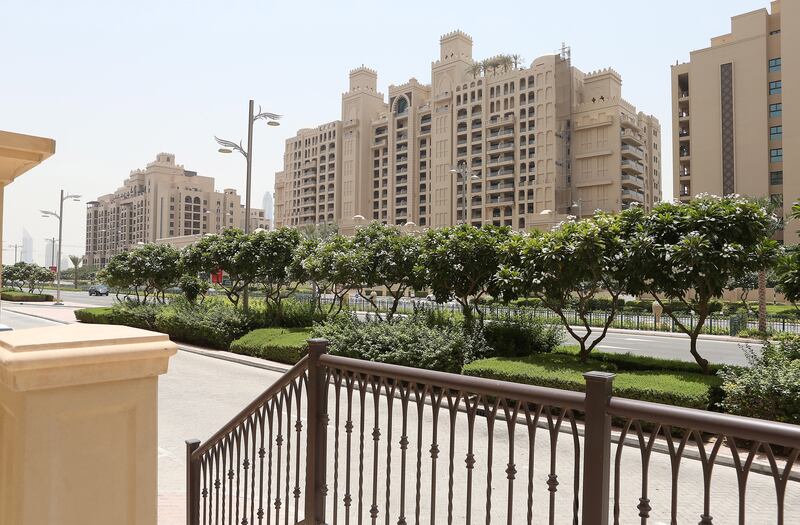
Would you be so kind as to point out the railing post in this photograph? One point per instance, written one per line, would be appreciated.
(192, 484)
(596, 448)
(316, 444)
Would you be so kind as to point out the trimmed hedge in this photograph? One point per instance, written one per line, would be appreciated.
(23, 297)
(628, 361)
(99, 315)
(521, 335)
(564, 371)
(284, 345)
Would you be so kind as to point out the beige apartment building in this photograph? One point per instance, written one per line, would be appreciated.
(736, 111)
(536, 144)
(163, 202)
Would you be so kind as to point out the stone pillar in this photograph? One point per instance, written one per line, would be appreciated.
(78, 424)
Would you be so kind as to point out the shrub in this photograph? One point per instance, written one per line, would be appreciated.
(558, 370)
(293, 314)
(628, 361)
(214, 324)
(640, 304)
(604, 304)
(193, 287)
(11, 295)
(521, 335)
(530, 302)
(101, 315)
(408, 341)
(769, 387)
(137, 315)
(284, 345)
(754, 333)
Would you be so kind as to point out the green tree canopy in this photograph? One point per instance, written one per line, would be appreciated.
(688, 252)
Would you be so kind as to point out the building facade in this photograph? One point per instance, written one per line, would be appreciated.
(159, 203)
(535, 144)
(736, 112)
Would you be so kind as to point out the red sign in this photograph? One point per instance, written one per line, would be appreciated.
(53, 269)
(216, 277)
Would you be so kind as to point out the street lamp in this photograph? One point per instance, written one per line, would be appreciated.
(60, 217)
(230, 146)
(461, 171)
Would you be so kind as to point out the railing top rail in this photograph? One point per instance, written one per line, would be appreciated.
(478, 385)
(270, 392)
(752, 429)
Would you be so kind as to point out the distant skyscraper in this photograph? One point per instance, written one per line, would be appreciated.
(266, 203)
(50, 249)
(27, 247)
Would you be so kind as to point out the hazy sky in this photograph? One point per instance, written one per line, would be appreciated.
(116, 82)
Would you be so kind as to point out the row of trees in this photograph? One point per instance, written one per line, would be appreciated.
(28, 277)
(678, 252)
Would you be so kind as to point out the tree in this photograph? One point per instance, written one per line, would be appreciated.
(745, 283)
(273, 252)
(229, 252)
(788, 268)
(391, 259)
(335, 266)
(689, 252)
(38, 277)
(568, 267)
(462, 262)
(76, 261)
(145, 271)
(475, 69)
(17, 274)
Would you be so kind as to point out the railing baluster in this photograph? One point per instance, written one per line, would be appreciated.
(781, 478)
(298, 389)
(576, 469)
(419, 397)
(278, 455)
(532, 424)
(287, 392)
(337, 384)
(376, 437)
(390, 387)
(192, 484)
(472, 409)
(362, 396)
(348, 428)
(511, 468)
(405, 395)
(436, 402)
(452, 407)
(491, 413)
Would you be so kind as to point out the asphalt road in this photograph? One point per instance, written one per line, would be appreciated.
(83, 297)
(22, 321)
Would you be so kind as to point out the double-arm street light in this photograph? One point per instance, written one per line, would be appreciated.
(229, 146)
(461, 171)
(60, 217)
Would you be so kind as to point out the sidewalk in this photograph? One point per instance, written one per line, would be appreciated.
(50, 311)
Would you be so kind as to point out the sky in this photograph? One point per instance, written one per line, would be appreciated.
(116, 82)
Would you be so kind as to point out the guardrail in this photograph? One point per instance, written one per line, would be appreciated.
(340, 440)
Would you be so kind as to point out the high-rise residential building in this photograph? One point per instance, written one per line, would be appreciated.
(26, 254)
(736, 111)
(536, 143)
(161, 202)
(268, 205)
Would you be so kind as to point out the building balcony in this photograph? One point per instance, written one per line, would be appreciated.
(683, 96)
(632, 152)
(630, 136)
(496, 135)
(501, 160)
(632, 182)
(500, 121)
(503, 186)
(632, 196)
(502, 146)
(630, 166)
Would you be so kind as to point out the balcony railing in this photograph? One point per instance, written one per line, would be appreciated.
(339, 440)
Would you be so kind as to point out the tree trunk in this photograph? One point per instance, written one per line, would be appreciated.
(697, 357)
(762, 301)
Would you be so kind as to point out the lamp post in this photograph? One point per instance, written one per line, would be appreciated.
(461, 171)
(230, 146)
(60, 217)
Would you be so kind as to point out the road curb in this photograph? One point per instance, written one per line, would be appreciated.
(224, 355)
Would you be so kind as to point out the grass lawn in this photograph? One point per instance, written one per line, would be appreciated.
(284, 345)
(647, 379)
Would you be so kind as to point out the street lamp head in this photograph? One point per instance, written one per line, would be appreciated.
(225, 150)
(273, 123)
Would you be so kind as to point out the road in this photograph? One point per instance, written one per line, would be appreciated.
(674, 346)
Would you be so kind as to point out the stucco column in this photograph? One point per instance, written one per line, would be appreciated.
(78, 424)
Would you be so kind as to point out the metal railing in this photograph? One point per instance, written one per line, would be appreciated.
(341, 440)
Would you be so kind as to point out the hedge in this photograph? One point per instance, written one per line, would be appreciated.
(99, 315)
(564, 371)
(22, 297)
(628, 361)
(284, 345)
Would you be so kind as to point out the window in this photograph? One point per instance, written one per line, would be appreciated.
(776, 155)
(775, 133)
(775, 87)
(776, 178)
(774, 64)
(776, 110)
(775, 32)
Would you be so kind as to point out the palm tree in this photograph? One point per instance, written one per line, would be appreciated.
(506, 62)
(517, 59)
(475, 69)
(76, 261)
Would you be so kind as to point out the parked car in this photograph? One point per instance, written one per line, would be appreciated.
(98, 289)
